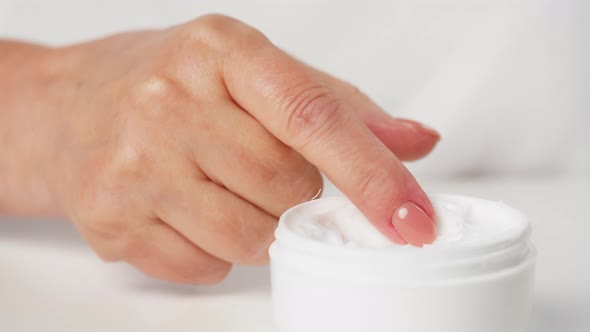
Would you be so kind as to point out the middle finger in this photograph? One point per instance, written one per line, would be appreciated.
(239, 153)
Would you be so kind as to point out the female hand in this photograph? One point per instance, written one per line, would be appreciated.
(176, 150)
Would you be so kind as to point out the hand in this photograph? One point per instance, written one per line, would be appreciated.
(176, 150)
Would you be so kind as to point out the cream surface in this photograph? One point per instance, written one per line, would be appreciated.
(461, 222)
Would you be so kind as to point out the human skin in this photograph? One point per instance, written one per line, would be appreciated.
(176, 150)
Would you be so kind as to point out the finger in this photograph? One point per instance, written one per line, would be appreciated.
(409, 140)
(220, 222)
(164, 254)
(240, 154)
(159, 251)
(306, 114)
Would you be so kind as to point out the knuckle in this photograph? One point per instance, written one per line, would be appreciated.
(215, 22)
(267, 167)
(106, 237)
(310, 113)
(243, 248)
(249, 245)
(354, 92)
(369, 179)
(100, 241)
(356, 96)
(306, 185)
(286, 167)
(111, 188)
(93, 209)
(268, 172)
(129, 164)
(222, 32)
(130, 244)
(152, 96)
(108, 230)
(376, 182)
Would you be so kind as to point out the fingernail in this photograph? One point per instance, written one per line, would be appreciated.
(396, 237)
(422, 127)
(414, 225)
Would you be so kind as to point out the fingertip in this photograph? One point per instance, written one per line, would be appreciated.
(215, 276)
(395, 236)
(419, 127)
(414, 225)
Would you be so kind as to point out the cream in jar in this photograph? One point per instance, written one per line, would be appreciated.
(333, 271)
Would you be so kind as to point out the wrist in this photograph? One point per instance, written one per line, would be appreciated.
(27, 125)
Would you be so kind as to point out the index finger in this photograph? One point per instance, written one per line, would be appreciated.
(293, 104)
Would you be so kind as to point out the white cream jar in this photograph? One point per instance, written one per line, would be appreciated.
(332, 271)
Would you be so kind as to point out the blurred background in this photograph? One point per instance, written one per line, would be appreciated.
(506, 82)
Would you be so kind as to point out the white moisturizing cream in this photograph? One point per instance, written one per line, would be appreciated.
(333, 271)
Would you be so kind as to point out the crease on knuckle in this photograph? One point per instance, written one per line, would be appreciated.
(266, 168)
(310, 113)
(380, 185)
(372, 178)
(272, 167)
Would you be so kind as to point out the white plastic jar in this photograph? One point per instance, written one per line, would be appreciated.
(332, 271)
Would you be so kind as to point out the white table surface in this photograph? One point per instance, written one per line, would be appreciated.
(50, 281)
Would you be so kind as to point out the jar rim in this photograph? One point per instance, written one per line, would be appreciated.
(505, 251)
